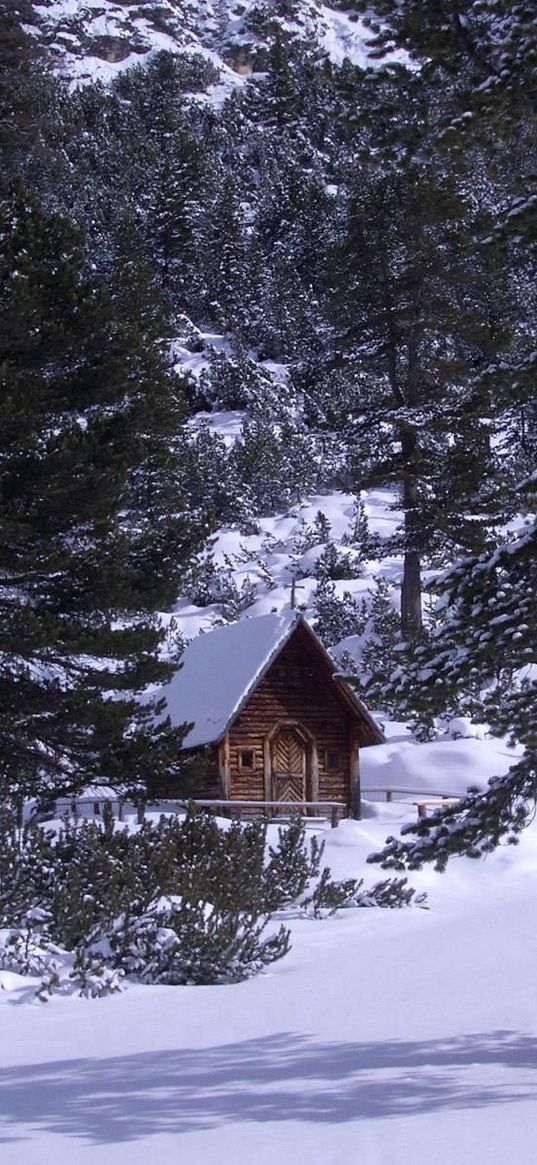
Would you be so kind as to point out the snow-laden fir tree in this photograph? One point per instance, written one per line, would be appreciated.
(93, 523)
(482, 660)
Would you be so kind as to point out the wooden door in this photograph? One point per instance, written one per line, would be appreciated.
(288, 766)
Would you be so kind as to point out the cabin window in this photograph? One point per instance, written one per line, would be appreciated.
(96, 809)
(246, 758)
(333, 759)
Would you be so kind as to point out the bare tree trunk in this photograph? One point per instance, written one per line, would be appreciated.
(411, 606)
(406, 394)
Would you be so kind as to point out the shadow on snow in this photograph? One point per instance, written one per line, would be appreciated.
(284, 1077)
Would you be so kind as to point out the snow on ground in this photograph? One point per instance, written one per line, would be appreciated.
(227, 423)
(270, 559)
(441, 766)
(345, 37)
(384, 1037)
(83, 35)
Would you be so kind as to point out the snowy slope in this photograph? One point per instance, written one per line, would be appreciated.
(90, 39)
(268, 561)
(441, 766)
(384, 1037)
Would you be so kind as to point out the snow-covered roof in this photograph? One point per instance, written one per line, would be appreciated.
(219, 670)
(90, 793)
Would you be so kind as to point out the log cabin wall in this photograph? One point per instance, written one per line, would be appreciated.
(297, 689)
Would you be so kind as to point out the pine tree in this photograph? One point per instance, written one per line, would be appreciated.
(482, 659)
(381, 645)
(423, 311)
(83, 519)
(485, 55)
(481, 61)
(489, 46)
(336, 617)
(22, 86)
(179, 180)
(289, 249)
(273, 462)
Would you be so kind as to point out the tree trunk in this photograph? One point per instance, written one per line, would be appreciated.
(411, 608)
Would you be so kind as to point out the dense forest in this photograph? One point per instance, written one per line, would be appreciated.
(370, 229)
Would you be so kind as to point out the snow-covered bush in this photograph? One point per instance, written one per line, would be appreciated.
(392, 893)
(212, 586)
(177, 901)
(92, 978)
(232, 380)
(27, 869)
(328, 896)
(176, 942)
(337, 564)
(24, 950)
(309, 535)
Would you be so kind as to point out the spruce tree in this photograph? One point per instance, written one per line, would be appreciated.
(86, 541)
(483, 660)
(23, 88)
(422, 313)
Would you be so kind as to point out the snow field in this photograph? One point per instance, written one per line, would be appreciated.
(384, 1036)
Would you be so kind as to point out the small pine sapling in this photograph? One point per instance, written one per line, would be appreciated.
(391, 894)
(333, 564)
(92, 978)
(327, 896)
(291, 867)
(321, 528)
(336, 617)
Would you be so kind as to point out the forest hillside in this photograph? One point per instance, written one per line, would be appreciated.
(268, 337)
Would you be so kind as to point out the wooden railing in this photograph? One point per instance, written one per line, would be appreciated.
(428, 799)
(440, 803)
(389, 791)
(332, 810)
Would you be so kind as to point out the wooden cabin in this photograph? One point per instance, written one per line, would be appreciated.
(267, 706)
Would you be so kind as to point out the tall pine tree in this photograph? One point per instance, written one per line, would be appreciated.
(87, 547)
(421, 311)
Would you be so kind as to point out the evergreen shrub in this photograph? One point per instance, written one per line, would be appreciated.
(181, 900)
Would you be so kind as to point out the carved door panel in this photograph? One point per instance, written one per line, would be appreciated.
(288, 766)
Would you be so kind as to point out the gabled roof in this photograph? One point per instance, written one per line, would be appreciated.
(221, 668)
